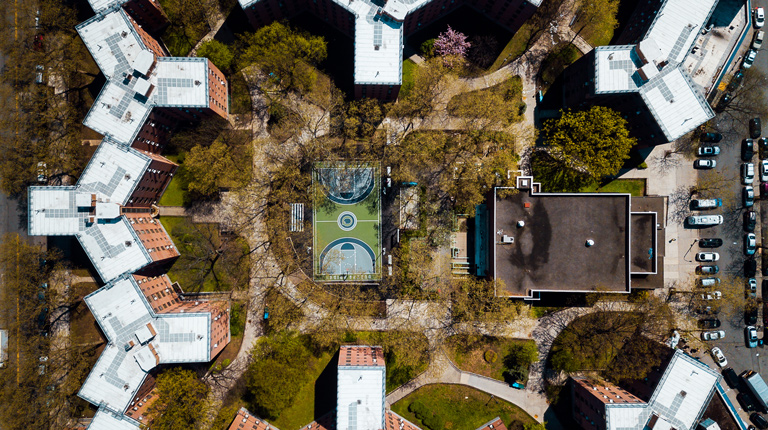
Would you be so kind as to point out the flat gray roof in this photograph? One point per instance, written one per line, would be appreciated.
(643, 243)
(549, 252)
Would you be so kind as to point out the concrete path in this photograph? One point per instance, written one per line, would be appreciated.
(172, 211)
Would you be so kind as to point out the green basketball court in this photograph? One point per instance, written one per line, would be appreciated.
(347, 221)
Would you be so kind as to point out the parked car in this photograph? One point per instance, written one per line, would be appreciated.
(704, 164)
(707, 256)
(711, 137)
(757, 41)
(752, 285)
(710, 243)
(39, 74)
(748, 196)
(758, 17)
(712, 295)
(750, 220)
(38, 45)
(736, 81)
(747, 173)
(749, 59)
(750, 244)
(725, 100)
(42, 172)
(706, 203)
(746, 402)
(756, 418)
(709, 282)
(731, 378)
(765, 314)
(755, 128)
(750, 335)
(750, 268)
(750, 315)
(707, 269)
(713, 335)
(708, 151)
(764, 171)
(718, 356)
(709, 323)
(704, 220)
(748, 146)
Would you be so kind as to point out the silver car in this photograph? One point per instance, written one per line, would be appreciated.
(713, 335)
(747, 173)
(704, 220)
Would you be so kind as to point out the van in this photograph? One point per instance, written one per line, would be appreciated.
(757, 42)
(706, 203)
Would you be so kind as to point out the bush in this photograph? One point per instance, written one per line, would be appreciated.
(226, 362)
(434, 422)
(642, 165)
(428, 48)
(418, 409)
(491, 356)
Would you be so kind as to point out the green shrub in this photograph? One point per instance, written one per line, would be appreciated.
(427, 48)
(434, 422)
(491, 356)
(642, 165)
(226, 362)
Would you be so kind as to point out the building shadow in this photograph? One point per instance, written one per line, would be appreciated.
(327, 382)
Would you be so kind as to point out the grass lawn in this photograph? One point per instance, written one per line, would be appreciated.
(515, 47)
(510, 91)
(460, 407)
(176, 273)
(236, 328)
(558, 59)
(409, 67)
(468, 353)
(82, 324)
(635, 187)
(302, 411)
(174, 193)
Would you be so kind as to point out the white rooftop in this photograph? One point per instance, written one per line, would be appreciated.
(104, 420)
(360, 398)
(679, 400)
(122, 311)
(129, 95)
(110, 242)
(676, 26)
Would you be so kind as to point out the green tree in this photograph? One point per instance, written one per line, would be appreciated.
(594, 142)
(181, 400)
(359, 118)
(277, 373)
(596, 20)
(288, 55)
(220, 54)
(227, 163)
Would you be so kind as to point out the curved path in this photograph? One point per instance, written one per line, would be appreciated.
(432, 319)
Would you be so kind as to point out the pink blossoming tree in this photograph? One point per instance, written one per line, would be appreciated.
(452, 46)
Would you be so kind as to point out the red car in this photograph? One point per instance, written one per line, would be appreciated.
(38, 44)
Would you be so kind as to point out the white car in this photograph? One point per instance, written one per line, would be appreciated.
(707, 256)
(713, 335)
(704, 164)
(750, 244)
(718, 356)
(757, 42)
(747, 173)
(704, 220)
(712, 295)
(764, 171)
(749, 59)
(759, 17)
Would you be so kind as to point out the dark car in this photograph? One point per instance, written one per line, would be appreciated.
(724, 101)
(731, 378)
(711, 269)
(762, 147)
(765, 313)
(710, 243)
(755, 128)
(746, 402)
(750, 316)
(758, 420)
(736, 81)
(747, 149)
(711, 137)
(750, 268)
(764, 190)
(750, 221)
(764, 290)
(709, 323)
(38, 43)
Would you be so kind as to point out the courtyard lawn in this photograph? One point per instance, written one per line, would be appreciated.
(469, 354)
(409, 68)
(302, 411)
(514, 48)
(635, 187)
(174, 193)
(558, 59)
(457, 407)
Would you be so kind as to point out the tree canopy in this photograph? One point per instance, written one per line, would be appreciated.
(181, 401)
(220, 54)
(227, 162)
(594, 142)
(285, 53)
